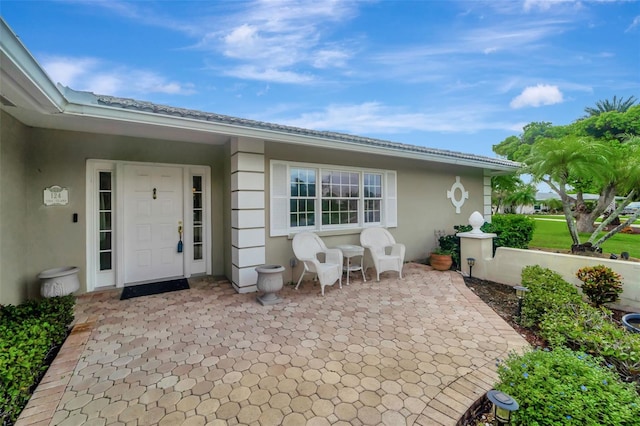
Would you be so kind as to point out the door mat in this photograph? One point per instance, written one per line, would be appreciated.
(154, 288)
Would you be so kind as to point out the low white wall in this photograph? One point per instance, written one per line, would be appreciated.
(506, 267)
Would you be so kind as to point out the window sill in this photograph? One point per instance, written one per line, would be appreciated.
(334, 232)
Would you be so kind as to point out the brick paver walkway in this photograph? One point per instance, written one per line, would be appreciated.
(414, 351)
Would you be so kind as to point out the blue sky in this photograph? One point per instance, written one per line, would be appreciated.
(458, 75)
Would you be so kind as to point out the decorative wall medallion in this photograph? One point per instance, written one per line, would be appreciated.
(56, 196)
(451, 194)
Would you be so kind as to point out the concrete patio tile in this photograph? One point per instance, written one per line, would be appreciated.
(413, 351)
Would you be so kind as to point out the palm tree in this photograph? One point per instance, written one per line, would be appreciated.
(558, 162)
(501, 187)
(620, 105)
(523, 195)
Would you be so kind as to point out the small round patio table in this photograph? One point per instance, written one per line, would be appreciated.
(350, 251)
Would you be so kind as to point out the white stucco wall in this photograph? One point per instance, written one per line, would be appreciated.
(506, 267)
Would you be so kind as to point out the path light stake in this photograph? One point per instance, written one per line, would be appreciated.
(503, 406)
(470, 261)
(520, 293)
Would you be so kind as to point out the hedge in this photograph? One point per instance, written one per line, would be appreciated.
(28, 333)
(557, 310)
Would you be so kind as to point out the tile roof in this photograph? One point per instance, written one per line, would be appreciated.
(144, 106)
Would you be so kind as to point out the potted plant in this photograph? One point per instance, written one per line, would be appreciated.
(441, 259)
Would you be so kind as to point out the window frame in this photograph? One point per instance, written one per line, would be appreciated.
(280, 199)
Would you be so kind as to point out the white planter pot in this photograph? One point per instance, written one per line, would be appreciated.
(59, 281)
(270, 282)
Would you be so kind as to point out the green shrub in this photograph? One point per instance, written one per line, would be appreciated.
(600, 284)
(564, 387)
(592, 330)
(28, 333)
(23, 347)
(451, 243)
(548, 292)
(564, 319)
(512, 230)
(56, 311)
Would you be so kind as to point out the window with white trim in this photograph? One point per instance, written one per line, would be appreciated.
(198, 216)
(324, 197)
(105, 220)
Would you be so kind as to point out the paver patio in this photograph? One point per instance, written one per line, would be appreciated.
(414, 351)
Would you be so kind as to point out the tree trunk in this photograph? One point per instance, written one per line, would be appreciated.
(585, 222)
(567, 201)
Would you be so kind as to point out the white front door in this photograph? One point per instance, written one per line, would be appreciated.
(153, 211)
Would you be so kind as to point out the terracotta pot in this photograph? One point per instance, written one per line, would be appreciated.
(441, 262)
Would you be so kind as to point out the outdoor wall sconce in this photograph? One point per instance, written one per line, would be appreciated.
(470, 261)
(503, 406)
(520, 293)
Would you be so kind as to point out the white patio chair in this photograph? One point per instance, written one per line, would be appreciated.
(306, 247)
(387, 255)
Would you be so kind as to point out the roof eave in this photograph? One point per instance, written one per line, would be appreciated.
(24, 82)
(154, 119)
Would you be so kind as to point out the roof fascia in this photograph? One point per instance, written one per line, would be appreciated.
(41, 92)
(150, 118)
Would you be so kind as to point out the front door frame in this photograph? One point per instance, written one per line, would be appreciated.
(118, 259)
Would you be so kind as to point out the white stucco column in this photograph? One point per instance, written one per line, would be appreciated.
(487, 198)
(247, 212)
(478, 245)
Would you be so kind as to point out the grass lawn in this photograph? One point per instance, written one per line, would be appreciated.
(555, 235)
(561, 217)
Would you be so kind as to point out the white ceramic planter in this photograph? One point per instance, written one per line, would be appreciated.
(270, 282)
(59, 281)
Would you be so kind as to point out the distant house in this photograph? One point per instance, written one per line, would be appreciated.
(542, 199)
(112, 185)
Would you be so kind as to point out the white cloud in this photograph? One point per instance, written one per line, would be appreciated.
(283, 35)
(543, 4)
(376, 118)
(274, 75)
(264, 91)
(68, 70)
(634, 24)
(535, 96)
(95, 75)
(328, 58)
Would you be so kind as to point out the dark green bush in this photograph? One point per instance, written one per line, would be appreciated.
(600, 284)
(548, 292)
(28, 333)
(56, 311)
(513, 230)
(564, 319)
(592, 330)
(451, 243)
(562, 387)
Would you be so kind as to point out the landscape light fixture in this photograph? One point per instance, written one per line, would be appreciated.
(520, 293)
(470, 261)
(503, 406)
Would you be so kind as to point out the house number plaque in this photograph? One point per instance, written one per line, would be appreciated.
(56, 196)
